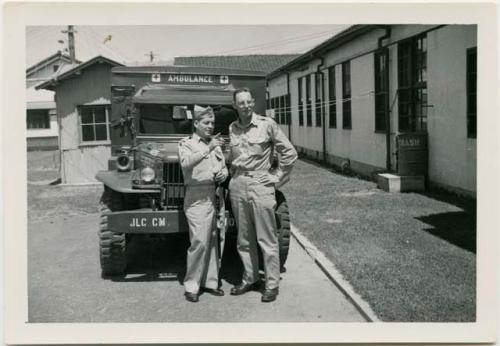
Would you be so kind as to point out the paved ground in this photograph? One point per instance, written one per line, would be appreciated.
(65, 284)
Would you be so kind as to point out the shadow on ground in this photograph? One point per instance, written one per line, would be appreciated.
(151, 259)
(458, 228)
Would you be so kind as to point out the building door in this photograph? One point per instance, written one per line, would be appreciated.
(412, 146)
(412, 85)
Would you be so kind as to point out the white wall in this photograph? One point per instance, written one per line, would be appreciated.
(304, 136)
(80, 165)
(366, 145)
(452, 156)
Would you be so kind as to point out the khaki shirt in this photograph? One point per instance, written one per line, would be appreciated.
(252, 146)
(199, 164)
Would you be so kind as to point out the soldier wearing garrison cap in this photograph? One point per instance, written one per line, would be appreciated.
(203, 167)
(254, 139)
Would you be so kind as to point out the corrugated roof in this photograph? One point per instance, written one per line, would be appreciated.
(258, 62)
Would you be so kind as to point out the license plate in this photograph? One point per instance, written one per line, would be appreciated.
(148, 222)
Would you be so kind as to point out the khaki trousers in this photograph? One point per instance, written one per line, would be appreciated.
(202, 268)
(253, 207)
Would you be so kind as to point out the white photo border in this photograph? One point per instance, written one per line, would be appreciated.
(18, 15)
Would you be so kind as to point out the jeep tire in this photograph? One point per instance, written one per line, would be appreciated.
(112, 245)
(283, 226)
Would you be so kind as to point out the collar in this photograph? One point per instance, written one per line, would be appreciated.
(252, 122)
(199, 139)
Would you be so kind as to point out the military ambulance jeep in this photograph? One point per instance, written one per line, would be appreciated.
(151, 110)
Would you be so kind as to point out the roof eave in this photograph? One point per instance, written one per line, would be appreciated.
(335, 41)
(51, 83)
(54, 57)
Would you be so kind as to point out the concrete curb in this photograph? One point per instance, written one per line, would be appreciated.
(334, 275)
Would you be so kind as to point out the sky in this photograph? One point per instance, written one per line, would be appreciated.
(133, 44)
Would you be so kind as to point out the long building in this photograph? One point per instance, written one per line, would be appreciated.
(347, 101)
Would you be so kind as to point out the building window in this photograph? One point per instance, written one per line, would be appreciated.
(381, 90)
(471, 92)
(309, 101)
(279, 113)
(37, 119)
(332, 101)
(282, 110)
(301, 103)
(319, 106)
(281, 107)
(412, 84)
(346, 95)
(274, 107)
(94, 123)
(288, 110)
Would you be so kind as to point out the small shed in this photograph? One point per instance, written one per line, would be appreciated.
(41, 117)
(82, 95)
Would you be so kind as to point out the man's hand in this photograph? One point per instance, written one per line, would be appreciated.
(268, 179)
(216, 141)
(220, 176)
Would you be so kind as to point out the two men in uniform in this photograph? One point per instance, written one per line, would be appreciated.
(254, 139)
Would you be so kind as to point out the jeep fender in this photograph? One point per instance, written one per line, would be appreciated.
(120, 182)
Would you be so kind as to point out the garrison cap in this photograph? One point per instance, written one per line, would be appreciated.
(200, 112)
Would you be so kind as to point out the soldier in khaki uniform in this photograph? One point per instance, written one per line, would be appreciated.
(254, 139)
(203, 166)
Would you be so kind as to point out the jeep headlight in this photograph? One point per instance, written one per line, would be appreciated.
(123, 163)
(147, 174)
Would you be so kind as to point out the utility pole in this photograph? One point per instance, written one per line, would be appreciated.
(71, 42)
(151, 56)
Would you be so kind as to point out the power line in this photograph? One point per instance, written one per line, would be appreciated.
(314, 104)
(279, 42)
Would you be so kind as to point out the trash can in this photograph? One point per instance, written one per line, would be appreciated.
(412, 154)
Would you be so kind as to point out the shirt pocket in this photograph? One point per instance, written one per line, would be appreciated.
(235, 146)
(258, 145)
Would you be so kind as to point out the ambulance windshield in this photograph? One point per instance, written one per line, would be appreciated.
(173, 119)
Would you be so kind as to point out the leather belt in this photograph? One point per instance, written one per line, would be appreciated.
(250, 173)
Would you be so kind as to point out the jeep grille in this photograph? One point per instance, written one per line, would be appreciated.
(173, 183)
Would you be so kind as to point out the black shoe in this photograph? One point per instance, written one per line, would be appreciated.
(191, 297)
(213, 291)
(270, 295)
(243, 288)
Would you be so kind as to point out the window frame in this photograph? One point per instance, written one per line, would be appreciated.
(107, 123)
(300, 95)
(381, 89)
(332, 98)
(38, 113)
(288, 110)
(346, 96)
(318, 93)
(471, 93)
(282, 109)
(275, 110)
(412, 85)
(308, 101)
